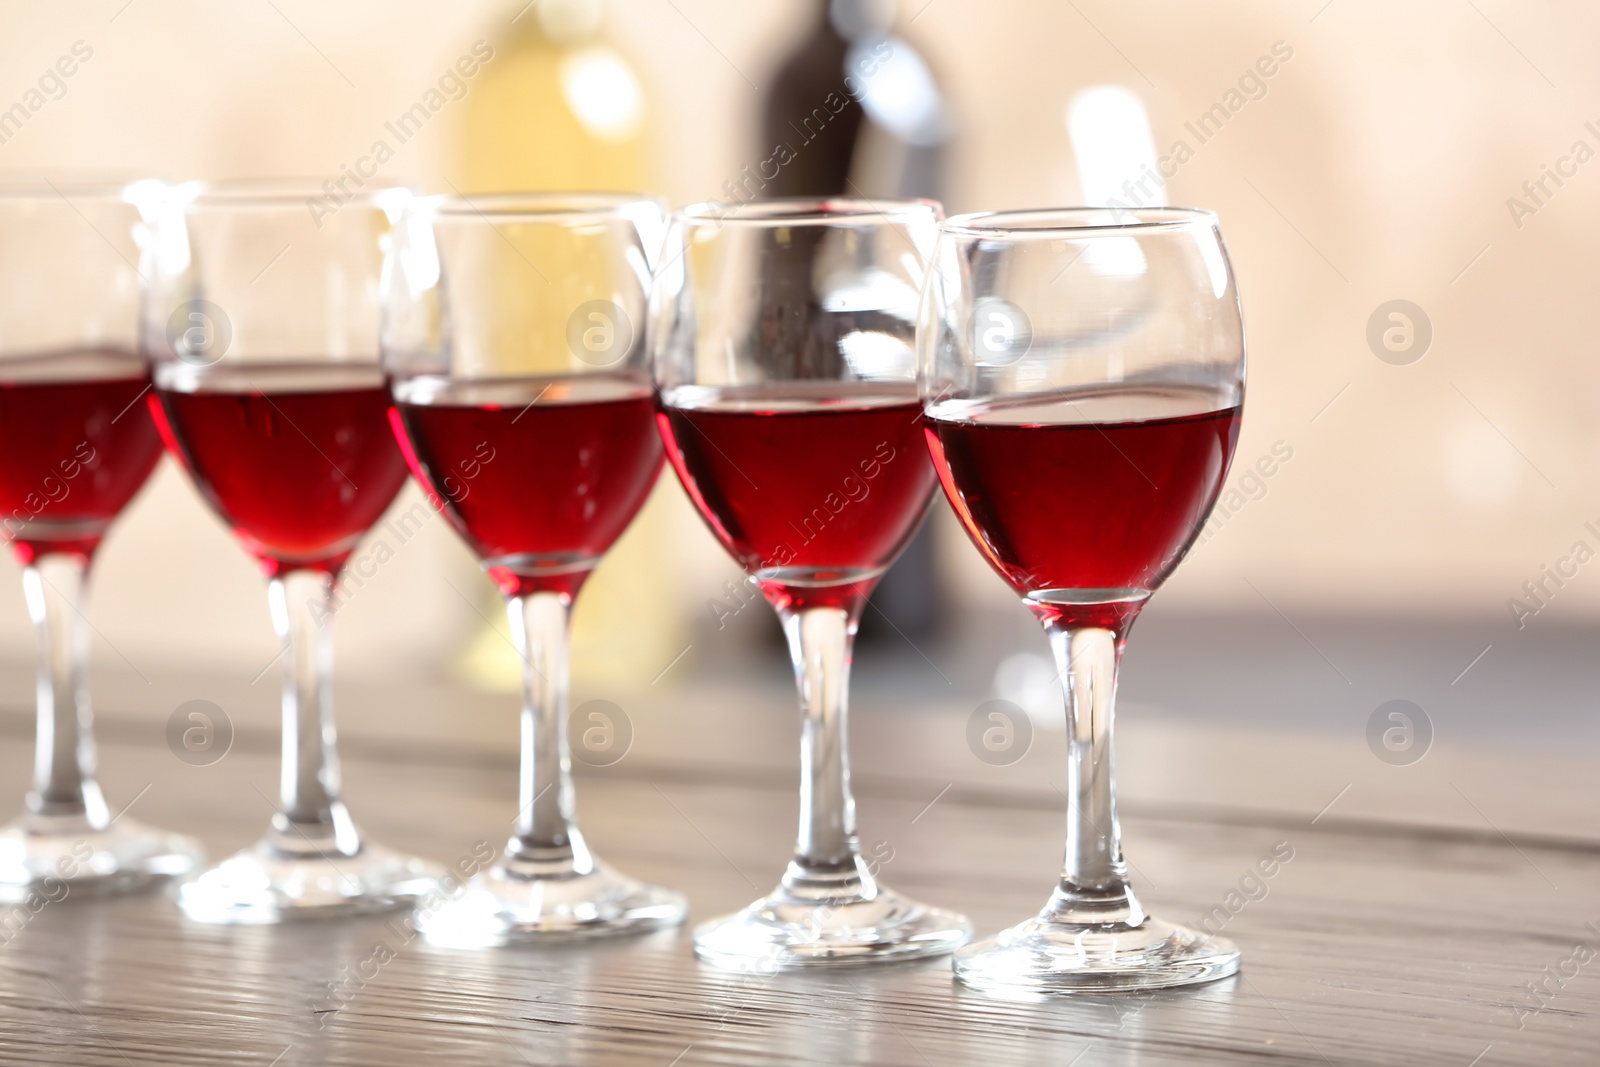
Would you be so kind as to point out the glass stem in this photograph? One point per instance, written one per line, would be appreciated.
(547, 840)
(64, 786)
(827, 862)
(313, 820)
(1094, 879)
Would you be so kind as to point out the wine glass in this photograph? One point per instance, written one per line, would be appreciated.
(784, 360)
(1082, 372)
(75, 445)
(261, 324)
(514, 344)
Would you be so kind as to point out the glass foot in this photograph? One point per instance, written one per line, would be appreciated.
(53, 857)
(267, 884)
(1040, 956)
(783, 930)
(507, 905)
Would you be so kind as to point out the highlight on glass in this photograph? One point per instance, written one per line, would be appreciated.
(514, 342)
(261, 324)
(1083, 374)
(76, 444)
(783, 336)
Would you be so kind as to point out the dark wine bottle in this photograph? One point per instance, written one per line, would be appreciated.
(856, 111)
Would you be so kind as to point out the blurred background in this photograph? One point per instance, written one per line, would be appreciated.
(1433, 463)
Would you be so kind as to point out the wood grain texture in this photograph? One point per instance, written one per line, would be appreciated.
(1376, 944)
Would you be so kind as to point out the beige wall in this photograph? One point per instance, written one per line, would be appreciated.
(1377, 166)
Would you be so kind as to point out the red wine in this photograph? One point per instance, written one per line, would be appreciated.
(813, 487)
(75, 445)
(540, 476)
(1085, 504)
(296, 457)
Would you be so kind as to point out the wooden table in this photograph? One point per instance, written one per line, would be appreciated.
(1399, 933)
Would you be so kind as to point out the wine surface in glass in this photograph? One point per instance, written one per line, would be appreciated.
(75, 445)
(1073, 496)
(814, 487)
(297, 457)
(540, 476)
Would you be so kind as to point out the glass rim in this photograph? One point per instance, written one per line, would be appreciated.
(1056, 222)
(288, 191)
(114, 186)
(577, 205)
(805, 211)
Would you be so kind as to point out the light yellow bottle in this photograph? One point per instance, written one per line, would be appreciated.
(561, 109)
